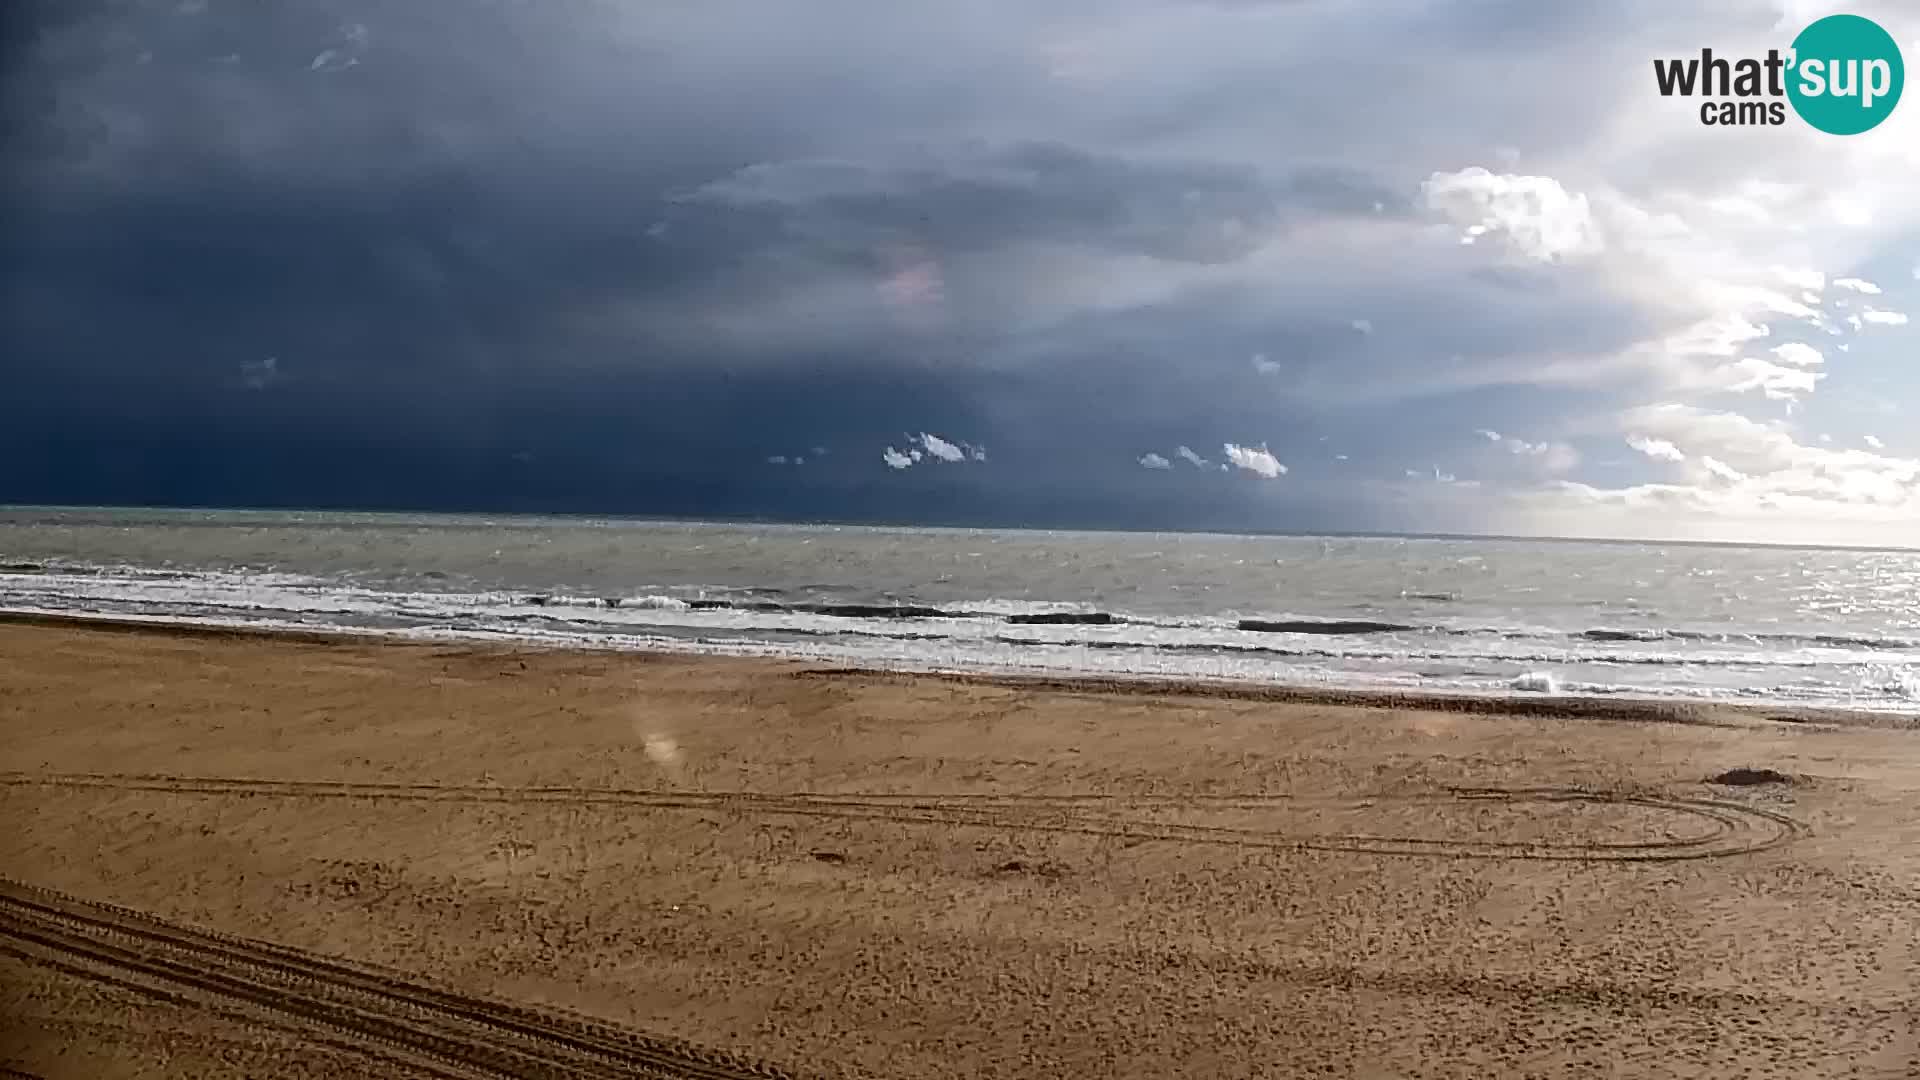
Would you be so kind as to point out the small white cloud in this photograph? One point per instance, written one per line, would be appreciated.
(1873, 441)
(1365, 326)
(1339, 457)
(1152, 460)
(819, 451)
(1721, 470)
(1778, 383)
(895, 459)
(941, 448)
(1254, 459)
(1187, 455)
(1657, 449)
(1857, 285)
(260, 374)
(1265, 366)
(1799, 355)
(333, 60)
(915, 455)
(1826, 438)
(1884, 318)
(1554, 457)
(777, 459)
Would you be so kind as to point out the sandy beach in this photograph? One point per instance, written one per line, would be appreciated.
(852, 873)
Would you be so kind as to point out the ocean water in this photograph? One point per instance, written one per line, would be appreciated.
(1801, 627)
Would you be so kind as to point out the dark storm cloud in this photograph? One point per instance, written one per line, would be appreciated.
(613, 256)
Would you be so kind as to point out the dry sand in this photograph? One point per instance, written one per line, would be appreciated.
(914, 876)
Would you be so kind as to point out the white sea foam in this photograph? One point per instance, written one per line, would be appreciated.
(1536, 682)
(975, 635)
(655, 603)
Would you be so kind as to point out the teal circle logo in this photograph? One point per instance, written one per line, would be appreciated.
(1846, 75)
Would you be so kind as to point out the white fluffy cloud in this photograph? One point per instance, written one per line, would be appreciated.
(1186, 454)
(1254, 459)
(927, 446)
(1877, 507)
(1534, 215)
(1689, 252)
(1873, 441)
(1774, 470)
(1657, 449)
(1776, 382)
(1720, 470)
(1152, 460)
(941, 449)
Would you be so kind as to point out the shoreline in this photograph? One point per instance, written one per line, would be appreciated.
(1513, 704)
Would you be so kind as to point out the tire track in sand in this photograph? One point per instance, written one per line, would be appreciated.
(364, 1009)
(1713, 829)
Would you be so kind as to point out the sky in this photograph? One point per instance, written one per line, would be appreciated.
(1373, 265)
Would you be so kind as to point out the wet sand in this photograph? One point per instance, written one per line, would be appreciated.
(847, 873)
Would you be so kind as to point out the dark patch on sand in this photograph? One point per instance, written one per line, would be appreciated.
(1746, 777)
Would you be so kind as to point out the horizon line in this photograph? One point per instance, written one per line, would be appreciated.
(722, 519)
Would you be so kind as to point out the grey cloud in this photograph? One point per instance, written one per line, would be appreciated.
(1032, 193)
(644, 244)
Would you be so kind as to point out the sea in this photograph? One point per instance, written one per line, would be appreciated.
(1770, 625)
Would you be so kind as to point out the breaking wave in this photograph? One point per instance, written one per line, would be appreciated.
(1775, 663)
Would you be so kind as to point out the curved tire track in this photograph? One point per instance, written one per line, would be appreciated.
(1719, 829)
